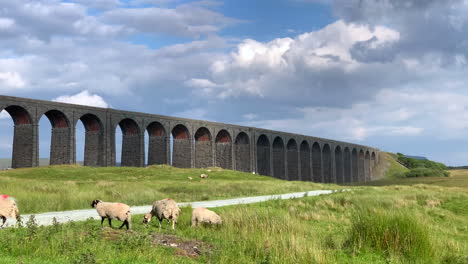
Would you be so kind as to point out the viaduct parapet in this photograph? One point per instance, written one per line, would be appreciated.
(195, 143)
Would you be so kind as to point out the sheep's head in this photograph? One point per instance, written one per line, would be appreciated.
(95, 202)
(147, 218)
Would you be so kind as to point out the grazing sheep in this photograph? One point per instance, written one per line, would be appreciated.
(8, 208)
(203, 215)
(163, 209)
(190, 178)
(203, 176)
(111, 211)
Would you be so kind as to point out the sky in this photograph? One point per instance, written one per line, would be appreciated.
(391, 74)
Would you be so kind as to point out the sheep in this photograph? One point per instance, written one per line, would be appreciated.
(190, 178)
(203, 215)
(203, 176)
(8, 208)
(163, 209)
(111, 211)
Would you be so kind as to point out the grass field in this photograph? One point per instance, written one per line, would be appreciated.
(393, 224)
(416, 220)
(58, 188)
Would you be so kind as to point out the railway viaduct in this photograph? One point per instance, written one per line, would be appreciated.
(195, 143)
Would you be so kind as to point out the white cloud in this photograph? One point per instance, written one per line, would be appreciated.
(83, 98)
(12, 80)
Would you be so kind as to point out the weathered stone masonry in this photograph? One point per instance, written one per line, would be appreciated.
(195, 143)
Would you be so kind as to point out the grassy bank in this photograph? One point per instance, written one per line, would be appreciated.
(58, 188)
(393, 224)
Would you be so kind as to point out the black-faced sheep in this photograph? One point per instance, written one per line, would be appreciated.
(118, 211)
(8, 208)
(163, 209)
(203, 215)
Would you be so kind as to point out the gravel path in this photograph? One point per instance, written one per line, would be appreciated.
(81, 215)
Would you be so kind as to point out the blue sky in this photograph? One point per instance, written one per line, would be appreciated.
(389, 74)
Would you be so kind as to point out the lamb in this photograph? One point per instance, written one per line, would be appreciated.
(8, 208)
(203, 176)
(163, 209)
(203, 215)
(111, 211)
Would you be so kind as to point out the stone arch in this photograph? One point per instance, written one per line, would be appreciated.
(327, 164)
(60, 143)
(339, 165)
(278, 159)
(316, 162)
(263, 155)
(306, 174)
(23, 137)
(367, 167)
(131, 143)
(203, 148)
(157, 147)
(293, 162)
(242, 152)
(223, 149)
(354, 165)
(182, 147)
(361, 167)
(347, 172)
(94, 140)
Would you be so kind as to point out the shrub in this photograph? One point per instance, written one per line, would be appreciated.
(426, 172)
(423, 168)
(394, 234)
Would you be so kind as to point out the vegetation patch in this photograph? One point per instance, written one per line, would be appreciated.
(422, 167)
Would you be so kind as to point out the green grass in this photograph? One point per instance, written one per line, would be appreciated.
(404, 220)
(58, 188)
(393, 224)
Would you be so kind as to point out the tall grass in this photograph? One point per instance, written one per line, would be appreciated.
(396, 234)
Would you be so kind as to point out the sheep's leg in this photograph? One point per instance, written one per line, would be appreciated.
(125, 223)
(102, 220)
(110, 222)
(4, 220)
(173, 224)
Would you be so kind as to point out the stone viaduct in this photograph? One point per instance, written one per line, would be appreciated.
(195, 143)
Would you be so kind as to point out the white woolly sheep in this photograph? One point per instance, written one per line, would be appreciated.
(163, 209)
(118, 211)
(8, 208)
(190, 178)
(203, 176)
(203, 215)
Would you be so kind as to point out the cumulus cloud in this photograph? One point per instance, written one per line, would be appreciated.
(83, 98)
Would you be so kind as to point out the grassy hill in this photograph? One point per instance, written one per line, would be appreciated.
(406, 220)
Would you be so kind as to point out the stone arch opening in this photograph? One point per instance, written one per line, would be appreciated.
(182, 147)
(60, 140)
(278, 159)
(94, 140)
(157, 143)
(293, 161)
(223, 149)
(316, 163)
(327, 164)
(354, 164)
(242, 152)
(361, 167)
(373, 161)
(131, 155)
(367, 167)
(263, 155)
(339, 165)
(22, 152)
(203, 148)
(347, 166)
(306, 174)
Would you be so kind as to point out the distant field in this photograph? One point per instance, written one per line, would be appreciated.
(58, 188)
